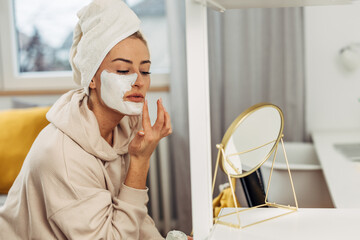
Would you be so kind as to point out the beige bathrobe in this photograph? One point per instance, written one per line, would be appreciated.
(71, 183)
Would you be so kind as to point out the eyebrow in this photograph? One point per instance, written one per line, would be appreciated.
(129, 61)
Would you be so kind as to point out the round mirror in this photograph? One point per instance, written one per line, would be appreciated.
(251, 139)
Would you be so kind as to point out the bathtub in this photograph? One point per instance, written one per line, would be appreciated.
(309, 182)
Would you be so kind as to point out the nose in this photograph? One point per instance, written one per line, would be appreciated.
(139, 80)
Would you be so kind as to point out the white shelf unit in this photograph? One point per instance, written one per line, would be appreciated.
(222, 5)
(198, 97)
(199, 118)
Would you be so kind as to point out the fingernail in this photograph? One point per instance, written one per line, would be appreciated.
(141, 133)
(160, 99)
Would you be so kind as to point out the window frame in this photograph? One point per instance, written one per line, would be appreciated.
(12, 80)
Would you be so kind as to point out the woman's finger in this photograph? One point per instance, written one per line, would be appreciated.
(145, 117)
(160, 115)
(167, 129)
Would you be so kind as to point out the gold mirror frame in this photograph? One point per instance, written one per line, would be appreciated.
(235, 124)
(222, 158)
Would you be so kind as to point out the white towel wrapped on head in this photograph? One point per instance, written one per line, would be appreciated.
(102, 24)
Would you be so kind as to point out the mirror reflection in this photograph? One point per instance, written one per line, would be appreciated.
(250, 139)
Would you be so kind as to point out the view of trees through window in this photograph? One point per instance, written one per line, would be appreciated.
(44, 32)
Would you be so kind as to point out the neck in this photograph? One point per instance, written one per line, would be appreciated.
(106, 117)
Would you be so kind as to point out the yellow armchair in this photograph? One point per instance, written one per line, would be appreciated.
(18, 130)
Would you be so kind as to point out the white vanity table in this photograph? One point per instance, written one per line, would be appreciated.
(309, 224)
(342, 175)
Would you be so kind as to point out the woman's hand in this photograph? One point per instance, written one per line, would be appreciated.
(144, 144)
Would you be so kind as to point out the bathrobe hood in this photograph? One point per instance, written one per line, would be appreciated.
(71, 115)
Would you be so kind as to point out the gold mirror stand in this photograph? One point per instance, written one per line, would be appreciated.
(238, 210)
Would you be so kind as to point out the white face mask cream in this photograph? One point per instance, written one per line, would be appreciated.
(113, 89)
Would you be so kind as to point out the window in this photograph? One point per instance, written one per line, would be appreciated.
(44, 33)
(36, 36)
(152, 14)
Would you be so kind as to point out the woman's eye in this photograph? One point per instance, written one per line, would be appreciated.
(145, 73)
(122, 71)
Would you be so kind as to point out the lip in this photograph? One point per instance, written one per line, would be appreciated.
(135, 97)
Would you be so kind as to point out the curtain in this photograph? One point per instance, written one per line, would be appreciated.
(256, 55)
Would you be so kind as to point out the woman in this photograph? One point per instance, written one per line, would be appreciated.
(85, 175)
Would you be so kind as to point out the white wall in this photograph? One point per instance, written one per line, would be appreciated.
(331, 93)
